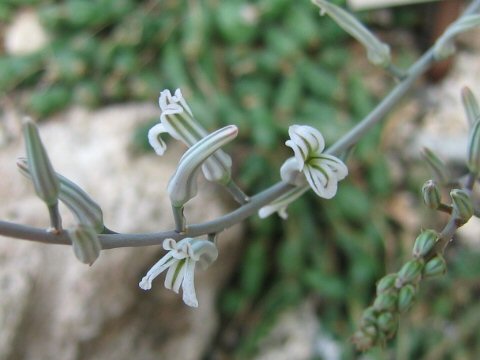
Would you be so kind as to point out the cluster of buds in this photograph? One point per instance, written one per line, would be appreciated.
(52, 187)
(396, 292)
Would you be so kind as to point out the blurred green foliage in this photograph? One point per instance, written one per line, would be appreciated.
(261, 65)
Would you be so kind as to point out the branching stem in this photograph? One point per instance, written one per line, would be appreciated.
(115, 240)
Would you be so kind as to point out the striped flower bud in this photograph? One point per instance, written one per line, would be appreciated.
(435, 266)
(424, 243)
(183, 185)
(431, 194)
(470, 104)
(43, 176)
(378, 52)
(406, 297)
(409, 272)
(87, 211)
(444, 46)
(437, 166)
(462, 205)
(386, 283)
(85, 242)
(385, 302)
(473, 149)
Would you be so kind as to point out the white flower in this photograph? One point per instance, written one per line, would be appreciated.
(280, 204)
(177, 120)
(180, 261)
(322, 171)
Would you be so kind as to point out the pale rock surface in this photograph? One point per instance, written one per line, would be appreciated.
(54, 307)
(25, 34)
(298, 335)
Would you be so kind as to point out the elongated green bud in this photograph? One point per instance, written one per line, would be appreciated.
(431, 194)
(378, 52)
(85, 242)
(435, 266)
(386, 283)
(473, 149)
(183, 184)
(444, 45)
(385, 302)
(410, 272)
(462, 205)
(424, 243)
(369, 316)
(470, 104)
(87, 211)
(406, 297)
(437, 166)
(43, 176)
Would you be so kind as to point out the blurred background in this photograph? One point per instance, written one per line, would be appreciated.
(91, 71)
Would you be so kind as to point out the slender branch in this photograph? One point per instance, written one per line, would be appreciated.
(110, 241)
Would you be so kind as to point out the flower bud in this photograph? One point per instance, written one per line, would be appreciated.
(378, 52)
(424, 243)
(385, 302)
(443, 46)
(409, 272)
(406, 297)
(369, 316)
(470, 104)
(85, 242)
(473, 149)
(437, 166)
(43, 176)
(462, 205)
(370, 330)
(435, 266)
(362, 341)
(386, 283)
(431, 194)
(87, 211)
(387, 322)
(183, 185)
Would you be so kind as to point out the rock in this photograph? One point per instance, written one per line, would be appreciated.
(298, 335)
(52, 306)
(25, 34)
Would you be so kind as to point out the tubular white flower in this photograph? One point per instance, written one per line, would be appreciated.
(181, 259)
(280, 204)
(177, 120)
(378, 53)
(322, 171)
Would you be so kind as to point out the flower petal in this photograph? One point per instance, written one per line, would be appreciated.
(290, 172)
(173, 275)
(188, 286)
(155, 140)
(157, 269)
(337, 165)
